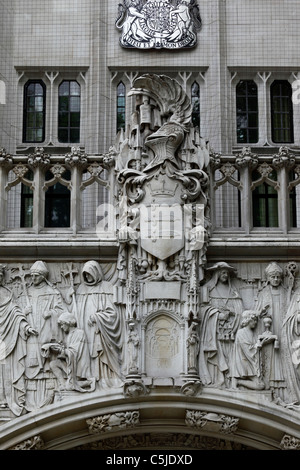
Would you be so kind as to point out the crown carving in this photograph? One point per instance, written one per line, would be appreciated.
(163, 187)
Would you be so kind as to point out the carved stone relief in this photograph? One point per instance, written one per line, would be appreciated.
(160, 313)
(112, 422)
(34, 443)
(158, 23)
(211, 421)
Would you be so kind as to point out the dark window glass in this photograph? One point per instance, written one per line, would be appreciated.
(247, 112)
(293, 202)
(282, 112)
(121, 106)
(34, 111)
(69, 112)
(265, 203)
(195, 97)
(57, 203)
(27, 203)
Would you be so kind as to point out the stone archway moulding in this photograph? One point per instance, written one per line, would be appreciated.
(214, 421)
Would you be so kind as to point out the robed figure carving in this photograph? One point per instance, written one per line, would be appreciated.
(221, 315)
(72, 363)
(103, 325)
(42, 304)
(14, 332)
(273, 300)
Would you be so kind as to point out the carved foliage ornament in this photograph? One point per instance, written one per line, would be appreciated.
(113, 422)
(157, 24)
(211, 421)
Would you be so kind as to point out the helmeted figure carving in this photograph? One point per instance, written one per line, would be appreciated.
(102, 323)
(163, 225)
(221, 316)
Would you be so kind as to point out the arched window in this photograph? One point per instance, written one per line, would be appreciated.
(282, 112)
(121, 106)
(34, 111)
(69, 112)
(265, 203)
(247, 112)
(195, 98)
(57, 203)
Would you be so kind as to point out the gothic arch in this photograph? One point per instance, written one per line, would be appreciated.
(214, 420)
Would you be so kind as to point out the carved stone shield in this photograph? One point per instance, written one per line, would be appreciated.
(162, 218)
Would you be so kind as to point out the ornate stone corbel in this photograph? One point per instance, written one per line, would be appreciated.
(34, 443)
(135, 388)
(191, 388)
(39, 158)
(113, 422)
(283, 159)
(211, 421)
(77, 157)
(290, 443)
(6, 159)
(246, 159)
(215, 159)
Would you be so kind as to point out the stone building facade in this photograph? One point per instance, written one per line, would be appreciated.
(149, 230)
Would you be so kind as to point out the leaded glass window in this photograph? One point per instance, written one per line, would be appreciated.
(282, 112)
(69, 112)
(247, 112)
(265, 203)
(195, 97)
(34, 111)
(27, 203)
(121, 106)
(57, 203)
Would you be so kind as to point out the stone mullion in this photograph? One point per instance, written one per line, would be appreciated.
(283, 200)
(3, 197)
(76, 195)
(38, 218)
(246, 200)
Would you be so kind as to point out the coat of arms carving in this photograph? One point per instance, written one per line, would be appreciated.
(148, 24)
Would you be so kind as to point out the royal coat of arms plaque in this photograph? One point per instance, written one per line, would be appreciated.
(158, 24)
